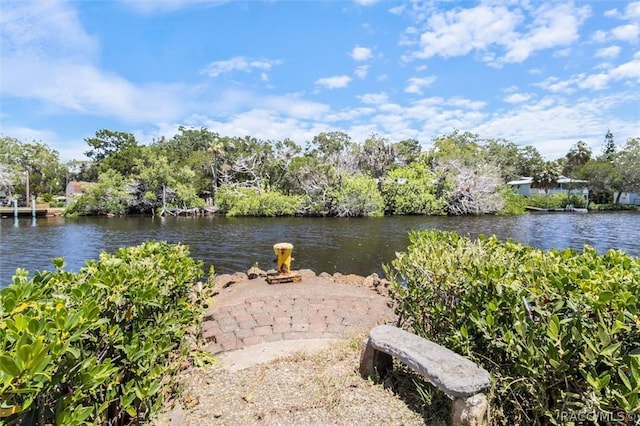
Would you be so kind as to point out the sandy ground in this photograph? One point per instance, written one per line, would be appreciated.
(298, 383)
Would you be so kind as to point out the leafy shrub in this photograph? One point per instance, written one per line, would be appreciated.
(98, 346)
(612, 207)
(556, 201)
(411, 190)
(46, 198)
(237, 201)
(356, 195)
(513, 203)
(108, 196)
(559, 330)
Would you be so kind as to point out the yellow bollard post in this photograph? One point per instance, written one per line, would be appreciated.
(283, 265)
(283, 257)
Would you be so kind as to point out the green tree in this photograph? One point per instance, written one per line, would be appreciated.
(506, 156)
(546, 176)
(627, 162)
(113, 150)
(602, 176)
(375, 156)
(159, 183)
(529, 160)
(248, 161)
(356, 195)
(286, 151)
(215, 149)
(410, 190)
(578, 154)
(83, 171)
(309, 176)
(336, 149)
(463, 147)
(187, 141)
(406, 151)
(110, 195)
(35, 168)
(609, 148)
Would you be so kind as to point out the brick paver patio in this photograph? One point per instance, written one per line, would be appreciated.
(251, 312)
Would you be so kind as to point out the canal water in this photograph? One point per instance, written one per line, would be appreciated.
(356, 245)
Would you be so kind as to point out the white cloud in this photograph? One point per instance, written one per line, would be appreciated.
(633, 10)
(552, 26)
(517, 98)
(238, 63)
(458, 32)
(336, 82)
(608, 52)
(487, 27)
(48, 56)
(600, 36)
(292, 106)
(150, 6)
(537, 123)
(397, 10)
(415, 84)
(374, 98)
(43, 30)
(611, 13)
(351, 114)
(365, 2)
(361, 53)
(594, 82)
(362, 71)
(629, 33)
(87, 90)
(628, 70)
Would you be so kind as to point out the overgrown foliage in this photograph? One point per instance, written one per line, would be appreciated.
(559, 331)
(411, 190)
(460, 171)
(356, 195)
(237, 201)
(556, 201)
(99, 346)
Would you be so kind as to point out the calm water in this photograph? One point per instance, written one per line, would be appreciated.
(357, 246)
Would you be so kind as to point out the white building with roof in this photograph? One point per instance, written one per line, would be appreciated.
(564, 185)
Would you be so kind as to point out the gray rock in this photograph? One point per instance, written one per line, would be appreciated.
(255, 272)
(306, 273)
(469, 411)
(225, 280)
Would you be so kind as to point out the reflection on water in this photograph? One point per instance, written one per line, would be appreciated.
(356, 245)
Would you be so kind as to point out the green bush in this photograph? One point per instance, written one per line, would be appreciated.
(411, 190)
(108, 196)
(556, 201)
(356, 195)
(559, 331)
(236, 201)
(513, 203)
(611, 207)
(99, 346)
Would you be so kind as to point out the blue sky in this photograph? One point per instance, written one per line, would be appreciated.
(545, 74)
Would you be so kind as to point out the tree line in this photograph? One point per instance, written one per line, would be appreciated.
(461, 173)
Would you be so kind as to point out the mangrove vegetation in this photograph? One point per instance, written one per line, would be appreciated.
(199, 170)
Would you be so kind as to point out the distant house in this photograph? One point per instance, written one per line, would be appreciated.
(564, 185)
(627, 198)
(74, 189)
